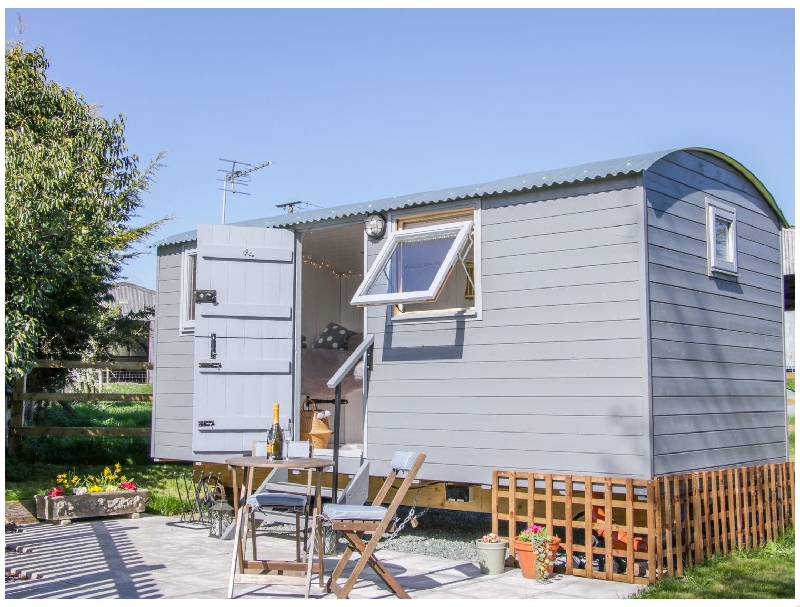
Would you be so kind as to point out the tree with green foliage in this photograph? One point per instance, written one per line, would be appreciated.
(72, 189)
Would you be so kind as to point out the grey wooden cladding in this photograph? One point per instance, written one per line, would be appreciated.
(554, 260)
(562, 277)
(706, 459)
(713, 302)
(573, 224)
(672, 223)
(680, 405)
(733, 290)
(598, 444)
(173, 384)
(686, 424)
(662, 257)
(692, 208)
(508, 369)
(560, 335)
(697, 441)
(245, 310)
(482, 387)
(475, 464)
(566, 241)
(246, 253)
(712, 335)
(550, 422)
(520, 404)
(717, 362)
(691, 386)
(662, 312)
(517, 340)
(558, 200)
(697, 247)
(713, 370)
(244, 366)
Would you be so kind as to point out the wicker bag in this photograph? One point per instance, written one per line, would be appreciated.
(313, 428)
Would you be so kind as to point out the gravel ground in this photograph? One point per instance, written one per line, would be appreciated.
(449, 534)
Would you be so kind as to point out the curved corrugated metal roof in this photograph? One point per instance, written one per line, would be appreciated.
(584, 172)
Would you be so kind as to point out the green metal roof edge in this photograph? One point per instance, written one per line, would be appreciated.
(762, 189)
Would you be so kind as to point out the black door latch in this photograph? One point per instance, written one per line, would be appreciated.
(205, 423)
(210, 365)
(209, 296)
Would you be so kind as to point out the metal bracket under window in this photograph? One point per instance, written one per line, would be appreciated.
(463, 257)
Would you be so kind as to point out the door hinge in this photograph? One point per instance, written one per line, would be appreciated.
(210, 365)
(207, 296)
(205, 423)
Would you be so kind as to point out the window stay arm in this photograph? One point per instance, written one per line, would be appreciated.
(462, 258)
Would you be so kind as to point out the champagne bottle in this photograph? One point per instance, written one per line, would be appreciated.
(275, 438)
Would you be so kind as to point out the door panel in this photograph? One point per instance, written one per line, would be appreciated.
(252, 272)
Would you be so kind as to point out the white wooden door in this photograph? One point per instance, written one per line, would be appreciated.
(244, 339)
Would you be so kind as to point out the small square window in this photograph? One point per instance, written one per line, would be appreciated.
(721, 237)
(188, 286)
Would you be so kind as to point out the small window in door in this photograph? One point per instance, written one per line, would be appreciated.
(721, 237)
(425, 266)
(188, 286)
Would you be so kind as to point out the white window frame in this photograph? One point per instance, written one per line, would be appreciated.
(463, 230)
(187, 298)
(719, 210)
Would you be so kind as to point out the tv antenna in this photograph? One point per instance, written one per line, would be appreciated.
(234, 177)
(289, 207)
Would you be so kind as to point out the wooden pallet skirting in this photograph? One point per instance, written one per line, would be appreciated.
(656, 528)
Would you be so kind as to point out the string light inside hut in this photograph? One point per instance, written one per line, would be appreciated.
(327, 266)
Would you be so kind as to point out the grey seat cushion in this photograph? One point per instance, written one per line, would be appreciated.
(351, 512)
(276, 499)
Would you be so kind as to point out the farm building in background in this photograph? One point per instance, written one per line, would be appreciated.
(133, 298)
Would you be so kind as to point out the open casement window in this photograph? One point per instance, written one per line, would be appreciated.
(414, 264)
(721, 237)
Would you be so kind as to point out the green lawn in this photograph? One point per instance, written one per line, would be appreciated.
(24, 479)
(766, 573)
(29, 475)
(790, 384)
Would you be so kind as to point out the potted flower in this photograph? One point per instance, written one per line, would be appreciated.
(107, 494)
(492, 554)
(536, 552)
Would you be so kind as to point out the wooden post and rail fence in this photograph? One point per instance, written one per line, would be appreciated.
(639, 531)
(17, 429)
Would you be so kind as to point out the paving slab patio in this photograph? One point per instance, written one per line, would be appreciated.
(160, 557)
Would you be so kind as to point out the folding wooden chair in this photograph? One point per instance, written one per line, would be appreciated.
(354, 521)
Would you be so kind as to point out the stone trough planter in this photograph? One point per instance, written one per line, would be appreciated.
(64, 508)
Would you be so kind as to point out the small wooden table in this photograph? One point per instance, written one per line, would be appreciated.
(258, 571)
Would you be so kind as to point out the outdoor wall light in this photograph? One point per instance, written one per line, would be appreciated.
(375, 226)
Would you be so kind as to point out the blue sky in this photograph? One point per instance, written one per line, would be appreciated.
(355, 105)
